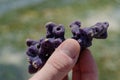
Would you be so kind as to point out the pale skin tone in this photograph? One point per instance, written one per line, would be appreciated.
(64, 59)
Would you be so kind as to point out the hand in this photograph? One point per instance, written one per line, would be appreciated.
(64, 59)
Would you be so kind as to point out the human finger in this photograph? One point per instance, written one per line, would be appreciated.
(86, 68)
(60, 63)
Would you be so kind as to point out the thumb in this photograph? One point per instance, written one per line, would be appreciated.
(60, 63)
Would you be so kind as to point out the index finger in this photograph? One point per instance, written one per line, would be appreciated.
(86, 68)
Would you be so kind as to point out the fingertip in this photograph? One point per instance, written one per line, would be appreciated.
(71, 47)
(65, 56)
(86, 68)
(73, 42)
(86, 59)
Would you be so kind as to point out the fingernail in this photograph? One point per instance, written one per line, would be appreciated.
(70, 47)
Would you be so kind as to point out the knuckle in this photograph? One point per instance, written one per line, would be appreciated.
(61, 62)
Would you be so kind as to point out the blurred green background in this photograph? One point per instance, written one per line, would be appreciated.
(22, 19)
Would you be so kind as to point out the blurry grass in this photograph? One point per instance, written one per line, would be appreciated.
(11, 72)
(107, 55)
(17, 25)
(28, 22)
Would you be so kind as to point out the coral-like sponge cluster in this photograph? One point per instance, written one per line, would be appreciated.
(39, 51)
